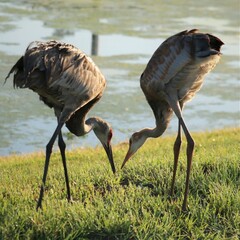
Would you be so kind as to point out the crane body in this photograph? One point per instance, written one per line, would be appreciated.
(68, 81)
(172, 77)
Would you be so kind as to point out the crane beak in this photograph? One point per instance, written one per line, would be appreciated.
(128, 155)
(108, 149)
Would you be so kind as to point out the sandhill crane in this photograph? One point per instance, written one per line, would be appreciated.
(68, 81)
(172, 76)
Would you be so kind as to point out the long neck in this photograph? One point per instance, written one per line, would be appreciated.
(78, 126)
(162, 113)
(154, 132)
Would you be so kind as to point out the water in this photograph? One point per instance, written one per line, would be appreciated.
(128, 33)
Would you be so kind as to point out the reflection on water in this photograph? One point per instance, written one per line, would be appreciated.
(121, 44)
(94, 49)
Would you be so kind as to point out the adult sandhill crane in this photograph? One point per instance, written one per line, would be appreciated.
(69, 82)
(172, 76)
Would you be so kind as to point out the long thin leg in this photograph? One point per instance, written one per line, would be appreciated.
(48, 154)
(62, 147)
(190, 144)
(176, 150)
(190, 148)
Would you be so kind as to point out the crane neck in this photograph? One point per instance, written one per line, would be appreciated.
(154, 132)
(78, 126)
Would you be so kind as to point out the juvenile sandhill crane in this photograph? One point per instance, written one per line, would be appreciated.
(69, 82)
(172, 76)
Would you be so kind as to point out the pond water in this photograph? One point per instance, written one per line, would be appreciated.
(128, 33)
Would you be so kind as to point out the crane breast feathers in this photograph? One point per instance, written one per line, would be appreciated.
(171, 56)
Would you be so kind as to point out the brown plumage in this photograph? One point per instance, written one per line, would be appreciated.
(172, 76)
(69, 82)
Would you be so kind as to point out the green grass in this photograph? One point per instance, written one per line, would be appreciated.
(133, 204)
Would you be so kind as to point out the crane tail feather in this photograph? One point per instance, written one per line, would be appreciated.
(17, 68)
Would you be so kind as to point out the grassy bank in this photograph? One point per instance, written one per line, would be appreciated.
(134, 203)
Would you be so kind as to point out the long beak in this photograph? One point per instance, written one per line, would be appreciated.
(108, 149)
(128, 155)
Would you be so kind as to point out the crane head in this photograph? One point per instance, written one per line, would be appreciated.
(135, 142)
(104, 133)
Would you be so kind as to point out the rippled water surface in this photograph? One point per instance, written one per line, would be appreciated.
(128, 33)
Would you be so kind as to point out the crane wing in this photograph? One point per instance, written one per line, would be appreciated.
(181, 61)
(62, 70)
(171, 56)
(56, 71)
(76, 74)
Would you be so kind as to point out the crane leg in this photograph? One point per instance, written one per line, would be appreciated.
(64, 116)
(62, 147)
(176, 151)
(190, 149)
(48, 154)
(176, 106)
